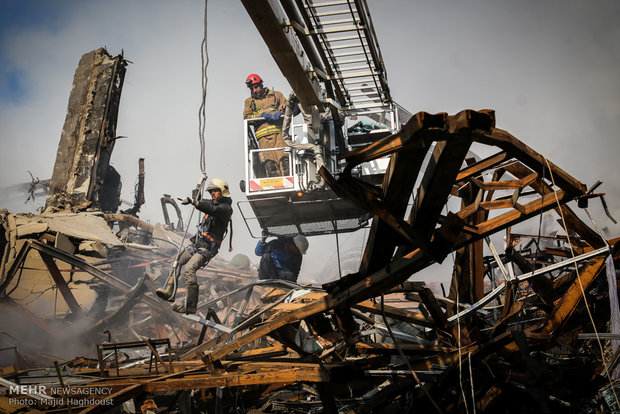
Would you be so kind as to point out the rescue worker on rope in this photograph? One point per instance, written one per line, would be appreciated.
(205, 244)
(270, 105)
(281, 258)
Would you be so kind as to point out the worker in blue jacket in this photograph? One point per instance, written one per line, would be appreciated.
(281, 258)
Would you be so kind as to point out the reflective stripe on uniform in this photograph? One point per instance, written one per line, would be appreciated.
(271, 129)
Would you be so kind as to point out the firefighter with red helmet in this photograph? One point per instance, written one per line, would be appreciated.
(269, 105)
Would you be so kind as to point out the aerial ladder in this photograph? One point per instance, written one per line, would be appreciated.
(329, 54)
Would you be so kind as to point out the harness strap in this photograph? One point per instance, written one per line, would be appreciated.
(213, 239)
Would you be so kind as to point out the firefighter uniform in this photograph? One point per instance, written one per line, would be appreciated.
(269, 134)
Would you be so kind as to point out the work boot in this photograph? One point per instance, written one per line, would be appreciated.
(168, 292)
(191, 301)
(271, 168)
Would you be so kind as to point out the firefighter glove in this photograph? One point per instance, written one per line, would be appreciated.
(272, 117)
(186, 201)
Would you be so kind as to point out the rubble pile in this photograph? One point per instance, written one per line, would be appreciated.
(530, 322)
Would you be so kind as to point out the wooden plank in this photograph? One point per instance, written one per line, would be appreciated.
(394, 312)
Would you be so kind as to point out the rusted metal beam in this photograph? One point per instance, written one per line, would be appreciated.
(61, 284)
(284, 318)
(18, 262)
(282, 375)
(495, 292)
(420, 128)
(397, 188)
(572, 221)
(444, 165)
(482, 165)
(356, 191)
(573, 296)
(394, 313)
(133, 296)
(534, 160)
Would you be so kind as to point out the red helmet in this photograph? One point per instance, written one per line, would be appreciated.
(253, 79)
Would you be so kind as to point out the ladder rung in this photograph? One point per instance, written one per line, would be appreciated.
(370, 84)
(341, 38)
(348, 62)
(334, 12)
(356, 75)
(363, 112)
(339, 21)
(340, 29)
(368, 106)
(359, 101)
(344, 54)
(347, 46)
(328, 3)
(369, 94)
(353, 68)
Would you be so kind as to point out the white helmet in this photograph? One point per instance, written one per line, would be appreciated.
(301, 242)
(219, 184)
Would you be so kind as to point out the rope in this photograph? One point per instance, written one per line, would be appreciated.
(471, 382)
(202, 112)
(337, 249)
(583, 293)
(458, 339)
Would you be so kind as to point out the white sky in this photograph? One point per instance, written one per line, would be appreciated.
(548, 68)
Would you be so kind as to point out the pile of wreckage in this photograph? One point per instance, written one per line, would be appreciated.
(534, 326)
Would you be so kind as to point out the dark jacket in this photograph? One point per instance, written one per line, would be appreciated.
(276, 261)
(215, 223)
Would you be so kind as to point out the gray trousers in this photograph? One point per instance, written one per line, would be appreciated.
(192, 263)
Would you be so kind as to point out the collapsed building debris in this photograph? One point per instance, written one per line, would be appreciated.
(530, 322)
(82, 173)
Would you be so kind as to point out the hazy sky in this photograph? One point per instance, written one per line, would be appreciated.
(548, 68)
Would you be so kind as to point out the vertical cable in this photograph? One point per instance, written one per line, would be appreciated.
(202, 112)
